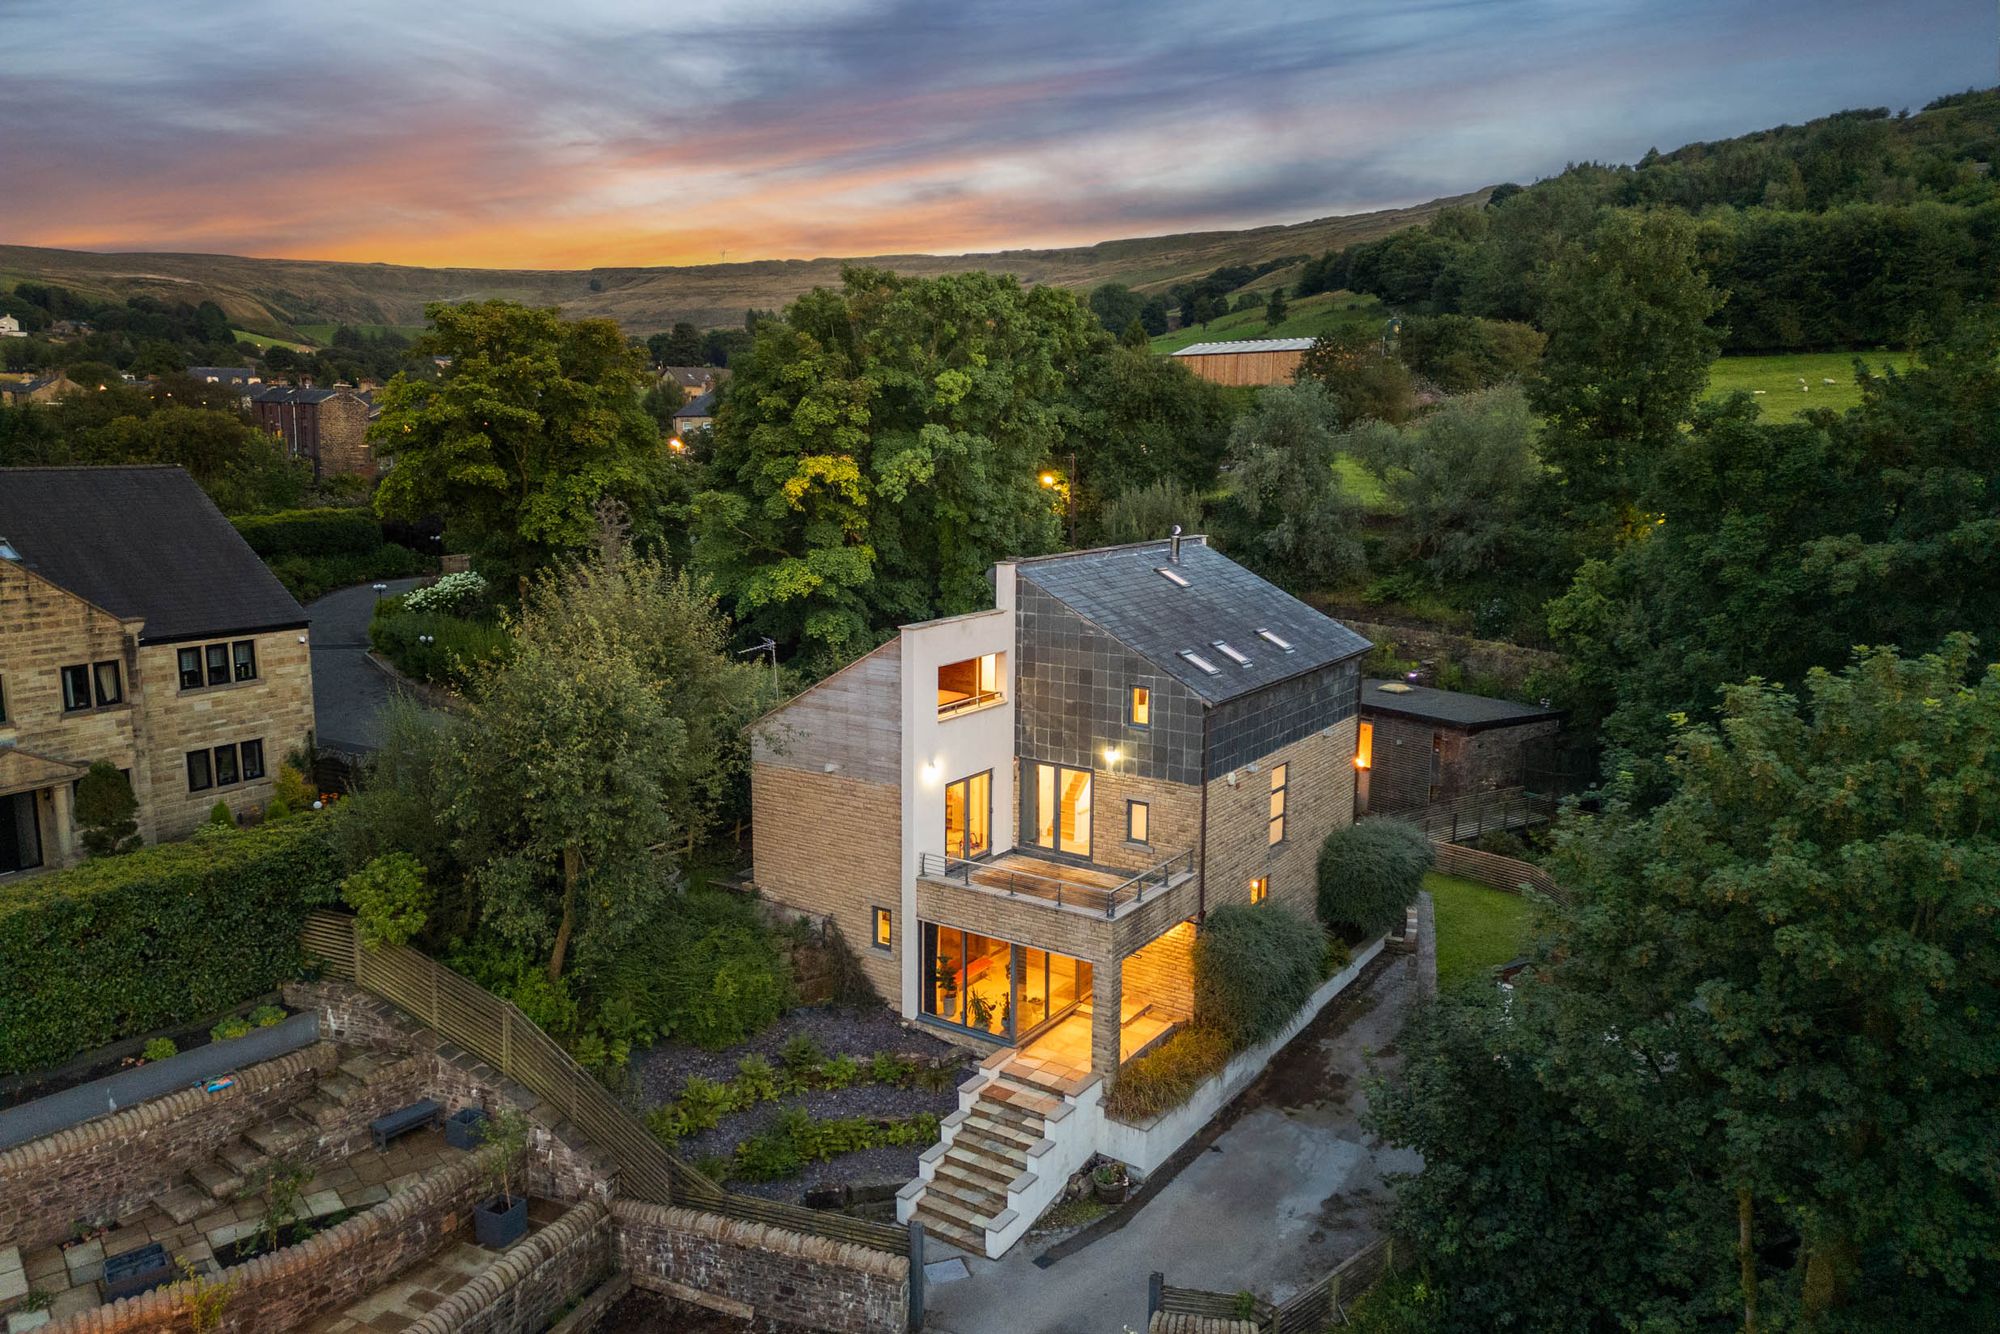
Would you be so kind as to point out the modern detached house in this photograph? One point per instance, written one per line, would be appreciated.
(1018, 817)
(136, 627)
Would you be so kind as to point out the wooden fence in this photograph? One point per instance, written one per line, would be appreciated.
(1319, 1307)
(494, 1030)
(1487, 868)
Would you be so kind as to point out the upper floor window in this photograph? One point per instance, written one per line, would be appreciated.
(1062, 808)
(1138, 822)
(1280, 776)
(92, 685)
(1364, 747)
(968, 816)
(218, 664)
(1139, 706)
(971, 684)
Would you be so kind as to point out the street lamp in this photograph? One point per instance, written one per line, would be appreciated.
(1049, 482)
(678, 445)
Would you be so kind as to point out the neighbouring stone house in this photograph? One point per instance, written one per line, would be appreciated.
(1019, 817)
(1420, 745)
(693, 381)
(136, 626)
(42, 389)
(695, 414)
(327, 427)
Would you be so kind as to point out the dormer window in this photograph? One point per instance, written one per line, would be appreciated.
(1231, 654)
(1201, 662)
(1174, 577)
(1275, 640)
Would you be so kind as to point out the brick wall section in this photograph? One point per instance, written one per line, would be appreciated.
(117, 1163)
(1162, 974)
(831, 846)
(1173, 814)
(521, 1292)
(343, 435)
(325, 1273)
(1319, 799)
(760, 1272)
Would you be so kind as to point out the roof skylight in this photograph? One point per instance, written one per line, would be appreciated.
(1231, 653)
(1173, 577)
(1271, 637)
(1201, 662)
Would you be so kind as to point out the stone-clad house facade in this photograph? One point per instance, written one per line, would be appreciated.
(327, 427)
(137, 627)
(1018, 817)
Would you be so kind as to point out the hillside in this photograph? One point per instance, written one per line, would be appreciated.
(277, 296)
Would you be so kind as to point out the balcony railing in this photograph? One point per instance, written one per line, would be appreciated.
(957, 704)
(1090, 891)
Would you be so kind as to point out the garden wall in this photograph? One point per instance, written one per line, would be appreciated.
(1510, 663)
(521, 1292)
(324, 1273)
(115, 1164)
(758, 1272)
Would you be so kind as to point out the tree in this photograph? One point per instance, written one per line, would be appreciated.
(535, 420)
(1115, 305)
(1758, 1051)
(1153, 315)
(1361, 378)
(1275, 310)
(1464, 478)
(1627, 357)
(1463, 353)
(679, 346)
(1287, 516)
(1134, 335)
(1136, 418)
(1149, 512)
(106, 811)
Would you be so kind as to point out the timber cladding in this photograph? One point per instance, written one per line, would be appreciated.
(830, 846)
(1255, 368)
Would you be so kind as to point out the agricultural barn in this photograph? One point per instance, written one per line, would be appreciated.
(1246, 361)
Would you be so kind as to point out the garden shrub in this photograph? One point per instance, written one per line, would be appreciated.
(316, 532)
(1369, 873)
(453, 595)
(309, 577)
(456, 649)
(709, 971)
(106, 810)
(1168, 1075)
(156, 938)
(235, 1026)
(389, 899)
(220, 816)
(1254, 966)
(267, 1016)
(159, 1049)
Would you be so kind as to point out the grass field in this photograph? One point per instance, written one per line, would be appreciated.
(1477, 928)
(1778, 378)
(321, 334)
(265, 340)
(1308, 317)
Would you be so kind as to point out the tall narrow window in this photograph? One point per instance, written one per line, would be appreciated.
(1139, 712)
(1364, 749)
(76, 688)
(1138, 822)
(1260, 889)
(1279, 775)
(190, 665)
(253, 760)
(968, 816)
(110, 686)
(245, 653)
(225, 765)
(885, 930)
(218, 663)
(200, 777)
(1062, 808)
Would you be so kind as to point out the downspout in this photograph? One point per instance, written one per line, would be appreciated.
(1201, 839)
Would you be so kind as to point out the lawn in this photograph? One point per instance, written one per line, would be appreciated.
(265, 340)
(1477, 928)
(1778, 376)
(322, 332)
(1307, 317)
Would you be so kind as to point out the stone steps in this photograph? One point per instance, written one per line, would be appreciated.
(1011, 1133)
(184, 1204)
(945, 1229)
(217, 1180)
(279, 1137)
(982, 1197)
(339, 1088)
(241, 1157)
(985, 1162)
(1027, 1101)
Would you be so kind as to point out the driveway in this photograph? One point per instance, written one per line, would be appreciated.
(349, 692)
(1291, 1187)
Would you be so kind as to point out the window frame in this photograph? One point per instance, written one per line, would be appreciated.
(967, 783)
(1260, 888)
(236, 662)
(207, 782)
(1138, 712)
(243, 756)
(1139, 831)
(117, 682)
(69, 676)
(1364, 746)
(1056, 826)
(1280, 808)
(209, 652)
(884, 936)
(235, 768)
(181, 667)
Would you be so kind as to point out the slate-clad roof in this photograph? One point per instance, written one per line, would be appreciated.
(289, 393)
(703, 406)
(1246, 345)
(1120, 590)
(1471, 713)
(142, 542)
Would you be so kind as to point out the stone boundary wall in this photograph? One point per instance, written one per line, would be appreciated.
(520, 1292)
(115, 1164)
(282, 1291)
(757, 1272)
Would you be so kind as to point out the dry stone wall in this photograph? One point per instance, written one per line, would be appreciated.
(521, 1292)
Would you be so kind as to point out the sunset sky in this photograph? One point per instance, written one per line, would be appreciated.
(532, 133)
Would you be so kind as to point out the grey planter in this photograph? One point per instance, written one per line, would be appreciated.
(465, 1129)
(498, 1222)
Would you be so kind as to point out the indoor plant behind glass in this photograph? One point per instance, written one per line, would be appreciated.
(502, 1218)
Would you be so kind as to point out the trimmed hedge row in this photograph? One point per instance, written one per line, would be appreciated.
(309, 577)
(321, 532)
(154, 938)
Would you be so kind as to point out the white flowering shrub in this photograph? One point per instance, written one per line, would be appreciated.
(453, 595)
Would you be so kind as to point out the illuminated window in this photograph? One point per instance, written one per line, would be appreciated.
(1364, 750)
(1139, 712)
(1062, 808)
(1260, 889)
(971, 684)
(884, 928)
(968, 816)
(1138, 822)
(1279, 775)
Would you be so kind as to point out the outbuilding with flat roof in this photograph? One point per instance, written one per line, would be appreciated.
(1420, 745)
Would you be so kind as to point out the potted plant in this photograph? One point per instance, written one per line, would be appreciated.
(464, 1127)
(1110, 1182)
(501, 1219)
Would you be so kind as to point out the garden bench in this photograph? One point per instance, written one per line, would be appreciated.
(136, 1271)
(416, 1116)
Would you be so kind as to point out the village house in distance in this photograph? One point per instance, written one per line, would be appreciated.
(1017, 816)
(137, 627)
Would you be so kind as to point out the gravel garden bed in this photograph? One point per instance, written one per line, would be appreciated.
(660, 1070)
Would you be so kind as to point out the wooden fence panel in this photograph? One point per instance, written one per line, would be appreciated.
(1504, 873)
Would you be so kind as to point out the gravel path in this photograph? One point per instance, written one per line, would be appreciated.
(661, 1069)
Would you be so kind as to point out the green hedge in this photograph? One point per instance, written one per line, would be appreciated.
(321, 532)
(1255, 965)
(1369, 873)
(162, 936)
(308, 577)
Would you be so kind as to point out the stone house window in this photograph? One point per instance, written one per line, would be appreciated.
(885, 928)
(245, 653)
(200, 776)
(218, 664)
(91, 685)
(253, 760)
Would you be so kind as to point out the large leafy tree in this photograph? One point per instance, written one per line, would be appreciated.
(536, 419)
(1749, 1084)
(1138, 419)
(1286, 515)
(880, 447)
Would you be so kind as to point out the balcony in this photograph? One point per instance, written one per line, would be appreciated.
(1088, 889)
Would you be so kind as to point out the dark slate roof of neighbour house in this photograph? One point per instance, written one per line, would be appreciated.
(703, 406)
(1121, 590)
(144, 542)
(289, 393)
(224, 374)
(1448, 708)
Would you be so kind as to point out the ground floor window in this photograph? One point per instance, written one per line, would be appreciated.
(1260, 889)
(995, 987)
(20, 833)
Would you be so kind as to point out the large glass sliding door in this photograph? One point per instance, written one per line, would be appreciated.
(994, 987)
(1062, 808)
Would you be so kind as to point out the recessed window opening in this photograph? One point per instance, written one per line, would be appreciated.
(1139, 707)
(971, 684)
